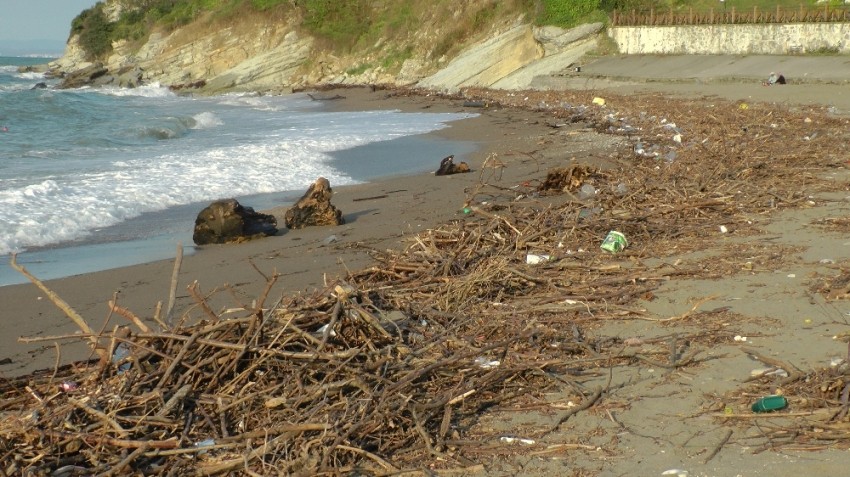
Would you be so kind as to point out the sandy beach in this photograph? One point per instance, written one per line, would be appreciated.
(378, 215)
(655, 419)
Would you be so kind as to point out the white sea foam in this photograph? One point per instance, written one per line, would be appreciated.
(206, 120)
(153, 90)
(67, 208)
(104, 173)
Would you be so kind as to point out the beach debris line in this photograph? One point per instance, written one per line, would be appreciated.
(227, 221)
(310, 384)
(314, 208)
(377, 373)
(448, 167)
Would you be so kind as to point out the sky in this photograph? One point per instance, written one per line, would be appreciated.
(37, 24)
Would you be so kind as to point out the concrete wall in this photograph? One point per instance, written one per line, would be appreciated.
(764, 39)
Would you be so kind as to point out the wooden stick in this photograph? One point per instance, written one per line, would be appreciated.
(119, 467)
(129, 315)
(98, 440)
(100, 415)
(58, 301)
(175, 274)
(719, 446)
(194, 289)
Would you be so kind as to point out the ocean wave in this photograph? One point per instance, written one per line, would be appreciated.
(102, 160)
(153, 90)
(206, 120)
(69, 208)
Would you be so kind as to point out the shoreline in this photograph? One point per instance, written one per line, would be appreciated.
(379, 215)
(132, 243)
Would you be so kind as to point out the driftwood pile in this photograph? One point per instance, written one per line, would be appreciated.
(390, 370)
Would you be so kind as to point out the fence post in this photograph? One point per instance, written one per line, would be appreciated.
(733, 15)
(690, 15)
(802, 15)
(755, 14)
(777, 19)
(711, 16)
(670, 17)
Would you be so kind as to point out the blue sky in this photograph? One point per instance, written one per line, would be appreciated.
(36, 23)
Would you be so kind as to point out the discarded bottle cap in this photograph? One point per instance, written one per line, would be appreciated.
(614, 242)
(770, 403)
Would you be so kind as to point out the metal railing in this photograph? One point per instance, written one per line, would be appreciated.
(730, 15)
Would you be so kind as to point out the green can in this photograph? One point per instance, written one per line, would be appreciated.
(614, 242)
(770, 403)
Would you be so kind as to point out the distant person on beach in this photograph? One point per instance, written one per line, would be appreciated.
(4, 129)
(774, 79)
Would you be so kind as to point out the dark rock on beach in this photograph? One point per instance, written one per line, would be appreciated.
(447, 167)
(227, 221)
(314, 208)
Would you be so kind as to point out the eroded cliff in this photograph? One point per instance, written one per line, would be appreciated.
(275, 55)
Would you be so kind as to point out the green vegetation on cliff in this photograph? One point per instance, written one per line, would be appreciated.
(339, 25)
(356, 25)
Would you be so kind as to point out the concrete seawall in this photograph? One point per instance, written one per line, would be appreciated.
(749, 39)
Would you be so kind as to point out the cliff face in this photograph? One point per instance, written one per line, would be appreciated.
(272, 55)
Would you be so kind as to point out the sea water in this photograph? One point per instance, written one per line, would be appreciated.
(98, 178)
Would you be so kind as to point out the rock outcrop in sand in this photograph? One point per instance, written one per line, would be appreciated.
(314, 208)
(227, 221)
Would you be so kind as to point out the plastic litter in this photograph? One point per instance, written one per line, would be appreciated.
(599, 101)
(586, 191)
(676, 472)
(518, 440)
(205, 443)
(621, 189)
(485, 363)
(614, 242)
(758, 372)
(324, 328)
(121, 352)
(534, 259)
(770, 403)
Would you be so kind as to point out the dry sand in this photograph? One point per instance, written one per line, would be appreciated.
(655, 425)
